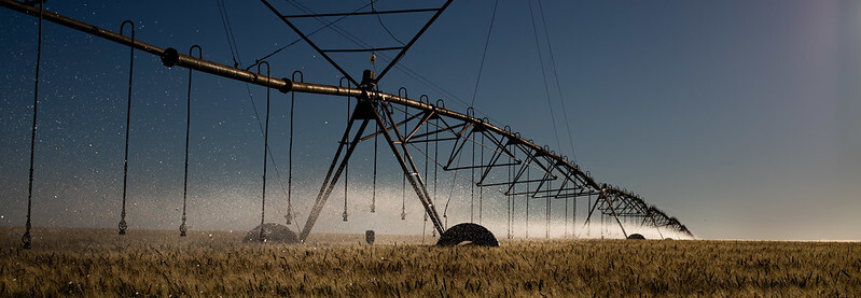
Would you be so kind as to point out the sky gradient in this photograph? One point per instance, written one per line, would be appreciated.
(737, 117)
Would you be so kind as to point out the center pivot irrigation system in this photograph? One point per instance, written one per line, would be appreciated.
(414, 130)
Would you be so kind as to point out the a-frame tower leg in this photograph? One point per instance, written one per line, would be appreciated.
(603, 196)
(330, 180)
(367, 110)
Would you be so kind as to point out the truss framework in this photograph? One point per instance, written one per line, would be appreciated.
(538, 171)
(288, 20)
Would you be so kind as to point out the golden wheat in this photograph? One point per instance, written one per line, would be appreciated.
(97, 263)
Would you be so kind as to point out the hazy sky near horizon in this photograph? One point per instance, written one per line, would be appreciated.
(739, 118)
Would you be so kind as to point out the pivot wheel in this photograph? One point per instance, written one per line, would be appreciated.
(272, 232)
(636, 237)
(467, 232)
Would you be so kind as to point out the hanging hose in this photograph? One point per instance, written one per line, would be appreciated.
(289, 215)
(374, 183)
(26, 239)
(547, 213)
(347, 162)
(566, 217)
(480, 189)
(589, 209)
(183, 228)
(510, 194)
(404, 177)
(526, 194)
(574, 217)
(265, 150)
(472, 186)
(603, 221)
(427, 156)
(508, 204)
(376, 144)
(471, 112)
(123, 225)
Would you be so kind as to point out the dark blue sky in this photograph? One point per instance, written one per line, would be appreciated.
(738, 117)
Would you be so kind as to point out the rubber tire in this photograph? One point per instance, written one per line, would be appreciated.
(272, 232)
(467, 232)
(636, 237)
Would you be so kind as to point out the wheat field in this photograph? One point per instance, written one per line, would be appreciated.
(98, 263)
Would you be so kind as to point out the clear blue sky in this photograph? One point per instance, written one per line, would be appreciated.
(737, 117)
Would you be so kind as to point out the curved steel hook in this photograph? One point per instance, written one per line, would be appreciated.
(267, 68)
(424, 99)
(404, 94)
(199, 51)
(470, 112)
(301, 76)
(341, 82)
(440, 103)
(123, 26)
